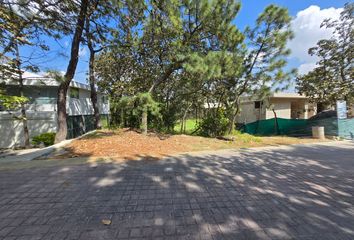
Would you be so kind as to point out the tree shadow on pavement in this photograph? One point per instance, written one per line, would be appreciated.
(296, 192)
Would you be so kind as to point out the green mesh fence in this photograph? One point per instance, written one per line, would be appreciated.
(279, 126)
(346, 128)
(301, 127)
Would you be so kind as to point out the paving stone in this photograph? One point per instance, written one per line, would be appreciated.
(297, 192)
(5, 231)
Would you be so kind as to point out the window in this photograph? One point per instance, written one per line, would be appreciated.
(257, 104)
(41, 95)
(104, 99)
(74, 93)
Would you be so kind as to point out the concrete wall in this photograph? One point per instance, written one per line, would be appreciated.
(291, 108)
(288, 108)
(282, 108)
(311, 109)
(248, 112)
(11, 130)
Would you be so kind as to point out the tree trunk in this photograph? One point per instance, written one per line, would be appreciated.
(70, 72)
(173, 67)
(183, 126)
(233, 117)
(122, 123)
(93, 95)
(182, 122)
(276, 121)
(144, 121)
(23, 107)
(92, 80)
(61, 108)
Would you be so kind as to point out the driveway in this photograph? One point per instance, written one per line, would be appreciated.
(290, 192)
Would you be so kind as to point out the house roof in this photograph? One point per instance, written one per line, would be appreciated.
(33, 79)
(280, 95)
(287, 95)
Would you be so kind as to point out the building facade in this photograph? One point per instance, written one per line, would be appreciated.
(41, 110)
(281, 105)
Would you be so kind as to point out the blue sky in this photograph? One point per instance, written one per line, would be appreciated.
(307, 16)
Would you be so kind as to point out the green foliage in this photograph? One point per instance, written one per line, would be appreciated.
(130, 109)
(168, 58)
(191, 126)
(145, 102)
(243, 137)
(9, 102)
(214, 124)
(104, 122)
(333, 78)
(188, 53)
(46, 138)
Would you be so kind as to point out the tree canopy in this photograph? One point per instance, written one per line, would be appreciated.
(333, 77)
(160, 61)
(190, 53)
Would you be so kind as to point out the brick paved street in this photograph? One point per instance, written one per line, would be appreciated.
(294, 192)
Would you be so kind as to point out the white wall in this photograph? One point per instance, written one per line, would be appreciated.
(282, 108)
(11, 130)
(41, 107)
(248, 112)
(83, 105)
(74, 106)
(42, 118)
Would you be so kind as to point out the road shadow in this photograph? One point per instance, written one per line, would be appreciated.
(297, 192)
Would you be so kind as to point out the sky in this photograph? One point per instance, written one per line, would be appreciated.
(307, 16)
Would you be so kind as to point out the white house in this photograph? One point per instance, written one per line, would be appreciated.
(42, 110)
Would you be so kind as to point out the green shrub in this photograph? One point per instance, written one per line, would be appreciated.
(46, 138)
(214, 124)
(243, 137)
(127, 111)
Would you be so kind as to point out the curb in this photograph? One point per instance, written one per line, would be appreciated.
(40, 152)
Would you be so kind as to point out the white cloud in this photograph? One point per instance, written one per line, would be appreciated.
(306, 67)
(82, 51)
(306, 26)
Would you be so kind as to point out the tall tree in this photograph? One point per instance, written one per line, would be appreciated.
(173, 33)
(21, 89)
(70, 71)
(333, 77)
(91, 38)
(99, 27)
(265, 58)
(21, 24)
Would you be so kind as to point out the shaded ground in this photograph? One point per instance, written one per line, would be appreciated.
(288, 192)
(126, 144)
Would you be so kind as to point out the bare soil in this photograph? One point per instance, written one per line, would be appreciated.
(126, 144)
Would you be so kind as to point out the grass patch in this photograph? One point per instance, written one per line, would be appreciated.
(191, 126)
(244, 137)
(104, 122)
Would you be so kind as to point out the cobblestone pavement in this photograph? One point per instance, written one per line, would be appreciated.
(294, 192)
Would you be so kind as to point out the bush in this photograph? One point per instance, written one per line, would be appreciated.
(127, 111)
(214, 124)
(243, 137)
(46, 138)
